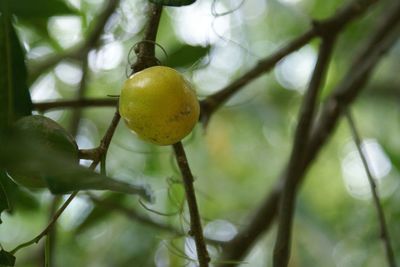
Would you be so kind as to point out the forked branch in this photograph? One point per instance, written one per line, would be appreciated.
(301, 139)
(384, 232)
(382, 39)
(61, 104)
(325, 27)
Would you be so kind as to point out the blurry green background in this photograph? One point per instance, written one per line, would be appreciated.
(238, 158)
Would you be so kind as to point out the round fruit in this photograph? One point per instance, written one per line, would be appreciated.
(52, 137)
(159, 105)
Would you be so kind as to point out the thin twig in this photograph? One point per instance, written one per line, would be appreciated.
(106, 141)
(389, 90)
(91, 153)
(306, 117)
(48, 227)
(79, 51)
(91, 42)
(384, 232)
(210, 104)
(61, 104)
(319, 28)
(77, 113)
(195, 223)
(48, 254)
(344, 94)
(51, 236)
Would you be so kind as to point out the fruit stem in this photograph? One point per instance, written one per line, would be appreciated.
(145, 50)
(196, 230)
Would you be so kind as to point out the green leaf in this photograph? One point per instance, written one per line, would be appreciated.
(61, 174)
(4, 203)
(186, 55)
(173, 2)
(18, 198)
(15, 100)
(6, 258)
(39, 8)
(79, 178)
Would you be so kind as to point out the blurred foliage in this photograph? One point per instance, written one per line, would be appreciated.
(236, 160)
(38, 9)
(185, 55)
(6, 258)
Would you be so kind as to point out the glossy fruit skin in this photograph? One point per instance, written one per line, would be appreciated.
(159, 105)
(50, 135)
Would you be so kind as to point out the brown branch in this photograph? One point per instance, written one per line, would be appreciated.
(210, 104)
(91, 42)
(77, 113)
(384, 232)
(325, 27)
(195, 222)
(79, 51)
(301, 139)
(344, 94)
(60, 104)
(145, 49)
(51, 237)
(91, 153)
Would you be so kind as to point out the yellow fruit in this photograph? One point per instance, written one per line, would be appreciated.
(159, 105)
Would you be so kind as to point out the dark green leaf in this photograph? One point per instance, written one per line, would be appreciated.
(61, 174)
(6, 258)
(18, 198)
(173, 2)
(186, 55)
(39, 8)
(15, 99)
(79, 178)
(4, 203)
